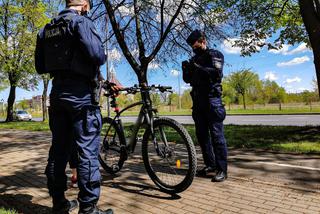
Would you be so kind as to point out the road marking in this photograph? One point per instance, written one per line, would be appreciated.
(260, 121)
(297, 118)
(289, 165)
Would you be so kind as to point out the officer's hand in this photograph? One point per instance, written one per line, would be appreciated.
(193, 65)
(116, 88)
(112, 87)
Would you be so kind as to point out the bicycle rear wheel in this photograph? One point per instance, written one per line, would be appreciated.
(171, 166)
(112, 147)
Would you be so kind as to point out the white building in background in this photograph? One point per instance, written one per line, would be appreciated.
(112, 76)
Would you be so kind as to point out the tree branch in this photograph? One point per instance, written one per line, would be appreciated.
(138, 32)
(162, 19)
(164, 36)
(120, 37)
(282, 9)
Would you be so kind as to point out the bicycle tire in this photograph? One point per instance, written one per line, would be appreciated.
(190, 149)
(113, 145)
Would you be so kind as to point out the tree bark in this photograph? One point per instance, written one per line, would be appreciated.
(44, 98)
(11, 99)
(312, 24)
(244, 101)
(142, 75)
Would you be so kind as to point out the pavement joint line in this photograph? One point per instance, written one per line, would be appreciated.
(255, 180)
(288, 165)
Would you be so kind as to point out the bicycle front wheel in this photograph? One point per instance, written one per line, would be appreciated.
(169, 156)
(112, 146)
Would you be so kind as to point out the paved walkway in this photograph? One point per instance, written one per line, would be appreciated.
(248, 189)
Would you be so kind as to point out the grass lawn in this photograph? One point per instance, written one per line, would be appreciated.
(26, 125)
(271, 111)
(277, 138)
(5, 211)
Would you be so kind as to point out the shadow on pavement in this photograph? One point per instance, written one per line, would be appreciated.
(22, 203)
(132, 178)
(286, 168)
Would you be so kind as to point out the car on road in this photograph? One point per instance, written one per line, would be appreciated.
(22, 115)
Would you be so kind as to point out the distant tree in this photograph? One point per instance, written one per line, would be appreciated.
(309, 97)
(273, 23)
(23, 104)
(155, 98)
(315, 85)
(228, 94)
(20, 21)
(186, 101)
(45, 80)
(255, 90)
(273, 93)
(173, 100)
(3, 82)
(242, 81)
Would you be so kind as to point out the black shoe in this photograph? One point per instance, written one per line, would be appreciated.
(95, 210)
(64, 207)
(220, 176)
(205, 171)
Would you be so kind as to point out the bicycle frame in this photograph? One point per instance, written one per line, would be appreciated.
(146, 116)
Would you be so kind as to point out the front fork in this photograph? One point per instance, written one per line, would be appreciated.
(123, 147)
(151, 113)
(162, 152)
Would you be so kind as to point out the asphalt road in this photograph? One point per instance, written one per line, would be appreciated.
(273, 120)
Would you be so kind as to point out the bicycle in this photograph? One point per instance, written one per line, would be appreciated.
(168, 152)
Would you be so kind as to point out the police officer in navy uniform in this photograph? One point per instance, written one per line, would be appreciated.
(204, 73)
(71, 51)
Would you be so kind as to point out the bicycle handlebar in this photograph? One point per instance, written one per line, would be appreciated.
(137, 88)
(134, 89)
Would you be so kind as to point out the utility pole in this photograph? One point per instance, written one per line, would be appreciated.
(179, 90)
(107, 62)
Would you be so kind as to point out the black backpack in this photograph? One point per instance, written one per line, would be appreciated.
(58, 45)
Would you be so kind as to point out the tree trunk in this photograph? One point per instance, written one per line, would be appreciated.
(142, 78)
(11, 99)
(312, 24)
(44, 98)
(244, 102)
(310, 105)
(142, 75)
(280, 106)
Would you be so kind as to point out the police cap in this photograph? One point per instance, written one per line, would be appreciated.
(78, 3)
(195, 36)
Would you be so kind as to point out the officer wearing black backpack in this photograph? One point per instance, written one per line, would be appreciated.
(204, 73)
(71, 51)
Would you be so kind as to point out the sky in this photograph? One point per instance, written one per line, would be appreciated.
(291, 67)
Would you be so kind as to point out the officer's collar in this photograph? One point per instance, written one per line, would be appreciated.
(67, 10)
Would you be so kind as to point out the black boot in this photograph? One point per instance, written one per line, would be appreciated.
(220, 176)
(63, 206)
(93, 210)
(205, 171)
